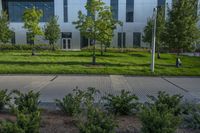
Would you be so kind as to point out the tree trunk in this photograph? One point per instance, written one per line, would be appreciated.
(33, 50)
(158, 54)
(94, 54)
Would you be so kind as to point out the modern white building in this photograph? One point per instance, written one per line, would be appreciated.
(133, 14)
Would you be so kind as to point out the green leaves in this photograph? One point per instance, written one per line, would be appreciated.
(122, 104)
(163, 115)
(52, 31)
(5, 98)
(182, 31)
(31, 18)
(5, 32)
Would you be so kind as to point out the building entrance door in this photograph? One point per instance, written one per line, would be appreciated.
(66, 43)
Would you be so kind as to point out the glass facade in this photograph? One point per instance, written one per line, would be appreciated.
(129, 10)
(65, 10)
(136, 39)
(114, 8)
(121, 40)
(161, 3)
(16, 8)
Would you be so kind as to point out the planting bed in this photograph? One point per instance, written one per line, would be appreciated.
(57, 122)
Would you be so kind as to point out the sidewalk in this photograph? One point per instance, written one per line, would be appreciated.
(52, 87)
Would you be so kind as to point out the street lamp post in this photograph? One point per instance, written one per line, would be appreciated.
(153, 41)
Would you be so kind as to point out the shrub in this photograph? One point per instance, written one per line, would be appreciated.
(4, 98)
(92, 119)
(71, 103)
(191, 115)
(30, 123)
(172, 103)
(154, 121)
(122, 104)
(26, 123)
(161, 116)
(27, 103)
(96, 121)
(9, 127)
(25, 47)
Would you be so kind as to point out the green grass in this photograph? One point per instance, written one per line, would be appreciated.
(61, 62)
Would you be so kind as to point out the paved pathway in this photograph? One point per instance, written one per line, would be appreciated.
(52, 86)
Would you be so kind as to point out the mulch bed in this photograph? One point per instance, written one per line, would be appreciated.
(56, 122)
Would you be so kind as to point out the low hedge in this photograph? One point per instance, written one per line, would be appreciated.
(26, 47)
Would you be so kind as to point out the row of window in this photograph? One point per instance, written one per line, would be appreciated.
(85, 41)
(16, 8)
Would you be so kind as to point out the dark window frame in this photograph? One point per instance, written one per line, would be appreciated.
(15, 8)
(135, 36)
(115, 8)
(130, 10)
(119, 40)
(65, 10)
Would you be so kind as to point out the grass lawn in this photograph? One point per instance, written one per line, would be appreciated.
(61, 62)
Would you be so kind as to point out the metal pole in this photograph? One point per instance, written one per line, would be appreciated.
(154, 41)
(122, 41)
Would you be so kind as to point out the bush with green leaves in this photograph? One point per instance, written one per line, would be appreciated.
(5, 98)
(27, 102)
(92, 119)
(10, 127)
(27, 114)
(191, 115)
(172, 103)
(71, 103)
(96, 121)
(25, 123)
(163, 115)
(122, 104)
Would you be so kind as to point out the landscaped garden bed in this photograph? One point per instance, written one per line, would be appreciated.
(79, 112)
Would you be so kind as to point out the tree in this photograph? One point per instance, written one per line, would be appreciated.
(52, 31)
(107, 25)
(31, 18)
(160, 28)
(181, 28)
(5, 32)
(97, 24)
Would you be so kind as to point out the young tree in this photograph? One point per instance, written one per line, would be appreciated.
(52, 31)
(5, 32)
(160, 28)
(31, 18)
(95, 24)
(181, 28)
(107, 25)
(147, 37)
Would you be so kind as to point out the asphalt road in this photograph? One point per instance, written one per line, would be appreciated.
(54, 87)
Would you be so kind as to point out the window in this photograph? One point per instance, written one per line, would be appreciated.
(29, 38)
(65, 10)
(136, 39)
(121, 40)
(161, 3)
(129, 10)
(66, 35)
(16, 8)
(88, 13)
(114, 8)
(13, 38)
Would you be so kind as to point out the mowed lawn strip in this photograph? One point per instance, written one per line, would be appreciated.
(69, 62)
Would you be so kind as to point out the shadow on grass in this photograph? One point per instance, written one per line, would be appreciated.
(66, 55)
(137, 55)
(71, 63)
